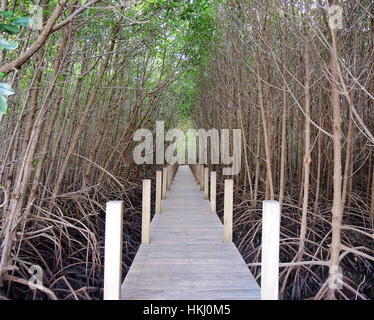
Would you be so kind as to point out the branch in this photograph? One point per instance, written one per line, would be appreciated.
(47, 30)
(73, 15)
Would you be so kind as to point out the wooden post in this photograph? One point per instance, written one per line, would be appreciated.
(201, 174)
(113, 250)
(228, 206)
(270, 250)
(198, 173)
(168, 186)
(173, 169)
(146, 211)
(164, 182)
(158, 191)
(213, 188)
(206, 183)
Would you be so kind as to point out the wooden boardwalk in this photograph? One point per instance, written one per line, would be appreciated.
(187, 258)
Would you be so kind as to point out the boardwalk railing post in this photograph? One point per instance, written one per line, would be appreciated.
(170, 177)
(164, 182)
(193, 169)
(201, 177)
(175, 166)
(198, 174)
(228, 205)
(158, 191)
(206, 183)
(146, 211)
(171, 174)
(213, 186)
(113, 250)
(270, 250)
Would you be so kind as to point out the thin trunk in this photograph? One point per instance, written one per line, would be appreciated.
(53, 116)
(258, 159)
(372, 108)
(337, 169)
(347, 158)
(269, 180)
(319, 156)
(284, 122)
(101, 132)
(307, 151)
(82, 121)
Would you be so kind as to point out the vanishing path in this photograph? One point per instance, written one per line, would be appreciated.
(187, 258)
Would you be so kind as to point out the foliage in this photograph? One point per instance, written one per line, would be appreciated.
(10, 26)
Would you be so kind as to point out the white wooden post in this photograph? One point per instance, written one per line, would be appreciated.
(206, 184)
(146, 211)
(270, 250)
(201, 178)
(158, 191)
(113, 250)
(213, 186)
(228, 204)
(164, 182)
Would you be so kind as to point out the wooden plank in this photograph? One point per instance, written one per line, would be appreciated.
(187, 257)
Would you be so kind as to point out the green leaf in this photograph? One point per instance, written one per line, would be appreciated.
(3, 105)
(6, 89)
(8, 45)
(12, 29)
(6, 14)
(36, 161)
(2, 74)
(21, 21)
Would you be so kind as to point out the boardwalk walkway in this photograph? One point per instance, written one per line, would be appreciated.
(187, 258)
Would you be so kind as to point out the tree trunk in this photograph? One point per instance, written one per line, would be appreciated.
(337, 169)
(307, 151)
